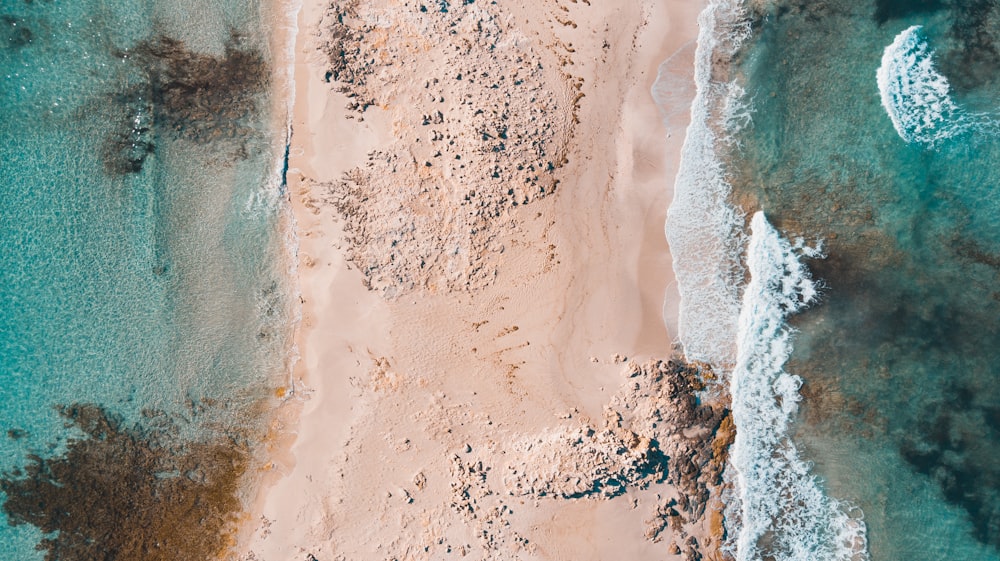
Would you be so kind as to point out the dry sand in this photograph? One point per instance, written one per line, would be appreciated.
(479, 193)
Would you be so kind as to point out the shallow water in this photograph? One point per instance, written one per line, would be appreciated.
(142, 266)
(899, 360)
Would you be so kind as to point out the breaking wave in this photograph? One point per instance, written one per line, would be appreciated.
(702, 228)
(915, 95)
(775, 509)
(779, 510)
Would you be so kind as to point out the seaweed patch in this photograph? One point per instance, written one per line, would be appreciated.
(976, 28)
(14, 32)
(183, 94)
(953, 446)
(131, 142)
(129, 492)
(886, 10)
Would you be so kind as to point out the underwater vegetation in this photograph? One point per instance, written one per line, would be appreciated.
(129, 491)
(183, 94)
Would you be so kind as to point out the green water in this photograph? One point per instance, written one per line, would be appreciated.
(140, 260)
(901, 360)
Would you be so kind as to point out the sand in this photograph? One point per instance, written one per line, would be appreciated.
(485, 283)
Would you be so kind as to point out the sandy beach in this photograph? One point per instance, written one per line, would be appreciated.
(479, 193)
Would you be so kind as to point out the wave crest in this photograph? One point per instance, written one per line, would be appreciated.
(915, 95)
(779, 510)
(702, 228)
(775, 508)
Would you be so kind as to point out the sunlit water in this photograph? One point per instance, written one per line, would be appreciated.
(872, 132)
(141, 264)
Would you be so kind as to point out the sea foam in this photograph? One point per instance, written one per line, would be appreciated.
(702, 228)
(775, 508)
(915, 95)
(778, 510)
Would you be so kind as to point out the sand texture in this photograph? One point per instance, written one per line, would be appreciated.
(479, 192)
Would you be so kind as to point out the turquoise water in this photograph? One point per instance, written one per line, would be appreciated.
(140, 261)
(899, 359)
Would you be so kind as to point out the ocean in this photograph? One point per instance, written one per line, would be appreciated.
(144, 305)
(836, 233)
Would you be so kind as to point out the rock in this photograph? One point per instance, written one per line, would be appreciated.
(692, 552)
(395, 210)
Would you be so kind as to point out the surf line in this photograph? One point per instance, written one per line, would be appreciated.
(781, 511)
(917, 98)
(776, 509)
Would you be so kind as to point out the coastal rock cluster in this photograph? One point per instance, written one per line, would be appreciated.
(656, 429)
(125, 491)
(472, 483)
(577, 462)
(485, 510)
(663, 403)
(481, 117)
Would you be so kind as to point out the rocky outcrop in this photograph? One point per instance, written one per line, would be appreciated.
(656, 429)
(493, 119)
(664, 403)
(662, 426)
(582, 462)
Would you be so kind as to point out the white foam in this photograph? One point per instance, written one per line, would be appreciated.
(778, 509)
(273, 194)
(702, 228)
(775, 508)
(915, 95)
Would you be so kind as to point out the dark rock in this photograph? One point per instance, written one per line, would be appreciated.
(16, 434)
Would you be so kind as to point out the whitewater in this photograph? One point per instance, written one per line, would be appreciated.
(702, 229)
(781, 511)
(776, 509)
(918, 99)
(914, 94)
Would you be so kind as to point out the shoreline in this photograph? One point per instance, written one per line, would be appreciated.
(538, 349)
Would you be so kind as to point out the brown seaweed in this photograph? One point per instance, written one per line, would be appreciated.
(954, 447)
(977, 61)
(187, 95)
(127, 147)
(129, 492)
(886, 10)
(201, 97)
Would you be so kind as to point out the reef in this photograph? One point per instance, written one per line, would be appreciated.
(976, 28)
(183, 94)
(122, 491)
(14, 32)
(886, 10)
(955, 446)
